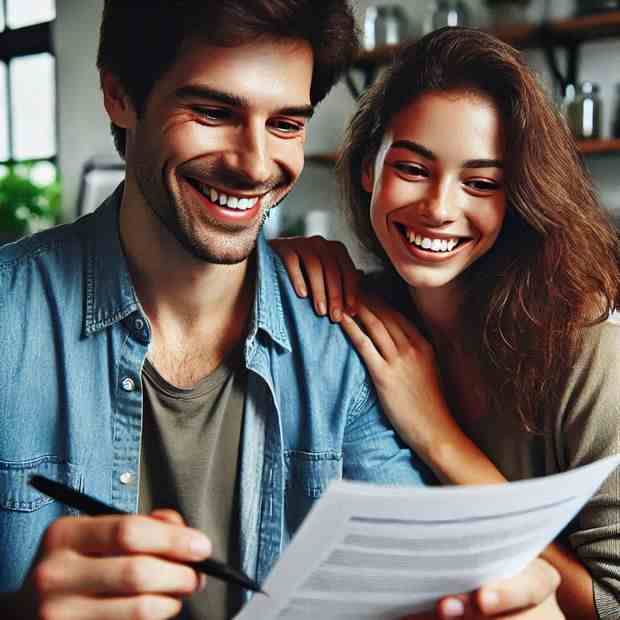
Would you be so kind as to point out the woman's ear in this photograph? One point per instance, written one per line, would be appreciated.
(368, 175)
(116, 101)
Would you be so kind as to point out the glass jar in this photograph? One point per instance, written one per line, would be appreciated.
(384, 25)
(583, 110)
(615, 128)
(447, 13)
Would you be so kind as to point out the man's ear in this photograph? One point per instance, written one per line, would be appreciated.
(368, 169)
(116, 101)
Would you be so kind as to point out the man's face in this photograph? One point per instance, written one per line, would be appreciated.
(220, 142)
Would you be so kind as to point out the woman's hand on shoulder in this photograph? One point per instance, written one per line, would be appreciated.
(323, 269)
(403, 367)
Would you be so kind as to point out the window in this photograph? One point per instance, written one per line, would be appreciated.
(27, 82)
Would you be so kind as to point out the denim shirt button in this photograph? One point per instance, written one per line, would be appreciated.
(126, 477)
(139, 324)
(128, 384)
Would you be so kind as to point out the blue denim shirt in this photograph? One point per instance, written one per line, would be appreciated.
(73, 339)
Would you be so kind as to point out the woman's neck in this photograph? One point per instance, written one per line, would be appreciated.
(440, 311)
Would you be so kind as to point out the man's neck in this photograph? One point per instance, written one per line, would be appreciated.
(198, 310)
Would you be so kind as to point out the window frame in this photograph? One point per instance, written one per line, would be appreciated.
(14, 43)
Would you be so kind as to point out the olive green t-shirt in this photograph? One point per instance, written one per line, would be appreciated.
(189, 458)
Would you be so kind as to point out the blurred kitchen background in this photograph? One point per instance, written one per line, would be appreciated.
(57, 159)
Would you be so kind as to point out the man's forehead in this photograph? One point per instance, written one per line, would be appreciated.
(277, 70)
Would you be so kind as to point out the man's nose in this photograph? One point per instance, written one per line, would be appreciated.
(249, 156)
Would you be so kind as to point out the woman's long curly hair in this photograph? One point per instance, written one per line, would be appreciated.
(555, 266)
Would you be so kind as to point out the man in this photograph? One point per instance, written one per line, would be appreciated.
(166, 360)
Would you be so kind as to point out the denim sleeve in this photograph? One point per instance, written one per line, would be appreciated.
(372, 450)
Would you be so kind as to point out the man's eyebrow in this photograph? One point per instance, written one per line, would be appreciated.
(414, 147)
(204, 92)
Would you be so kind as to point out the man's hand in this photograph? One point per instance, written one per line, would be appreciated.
(112, 567)
(530, 595)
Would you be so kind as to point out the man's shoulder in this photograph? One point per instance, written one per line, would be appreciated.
(41, 244)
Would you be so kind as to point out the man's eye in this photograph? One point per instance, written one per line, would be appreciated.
(215, 115)
(412, 170)
(287, 127)
(483, 185)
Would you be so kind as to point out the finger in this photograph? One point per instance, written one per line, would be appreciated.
(315, 277)
(363, 345)
(351, 278)
(114, 535)
(151, 606)
(69, 572)
(290, 259)
(453, 607)
(377, 331)
(335, 287)
(530, 587)
(168, 515)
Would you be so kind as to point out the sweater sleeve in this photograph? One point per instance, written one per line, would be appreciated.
(589, 429)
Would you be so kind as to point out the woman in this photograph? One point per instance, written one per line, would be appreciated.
(460, 175)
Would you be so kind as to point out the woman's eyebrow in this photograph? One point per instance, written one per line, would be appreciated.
(414, 147)
(483, 163)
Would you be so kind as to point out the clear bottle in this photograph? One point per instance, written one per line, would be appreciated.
(615, 128)
(384, 25)
(447, 13)
(583, 110)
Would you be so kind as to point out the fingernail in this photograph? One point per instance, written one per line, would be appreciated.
(453, 607)
(303, 292)
(336, 314)
(321, 308)
(489, 599)
(200, 546)
(202, 582)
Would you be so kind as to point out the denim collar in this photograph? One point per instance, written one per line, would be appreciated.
(111, 296)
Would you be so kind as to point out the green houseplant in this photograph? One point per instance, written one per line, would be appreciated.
(27, 203)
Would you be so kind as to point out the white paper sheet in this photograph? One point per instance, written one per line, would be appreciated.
(368, 552)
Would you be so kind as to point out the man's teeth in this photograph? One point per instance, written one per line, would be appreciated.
(232, 202)
(435, 245)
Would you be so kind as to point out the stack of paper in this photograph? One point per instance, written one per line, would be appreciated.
(368, 552)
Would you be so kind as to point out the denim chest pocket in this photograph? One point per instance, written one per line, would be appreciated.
(307, 476)
(16, 494)
(25, 513)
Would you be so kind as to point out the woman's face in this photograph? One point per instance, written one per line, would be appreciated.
(437, 192)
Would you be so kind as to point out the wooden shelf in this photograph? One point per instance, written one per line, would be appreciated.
(599, 147)
(527, 36)
(606, 146)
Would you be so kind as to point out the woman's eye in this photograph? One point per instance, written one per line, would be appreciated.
(483, 185)
(412, 170)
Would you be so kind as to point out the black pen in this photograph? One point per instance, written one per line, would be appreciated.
(93, 507)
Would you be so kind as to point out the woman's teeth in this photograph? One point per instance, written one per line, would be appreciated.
(434, 245)
(224, 200)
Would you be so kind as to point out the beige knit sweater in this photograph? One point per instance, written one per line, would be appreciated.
(586, 428)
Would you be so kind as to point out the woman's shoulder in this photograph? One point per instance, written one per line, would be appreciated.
(602, 341)
(598, 361)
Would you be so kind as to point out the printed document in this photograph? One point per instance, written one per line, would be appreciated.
(369, 552)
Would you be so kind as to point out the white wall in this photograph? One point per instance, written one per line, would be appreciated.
(84, 129)
(83, 126)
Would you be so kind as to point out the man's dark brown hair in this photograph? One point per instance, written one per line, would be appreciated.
(140, 39)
